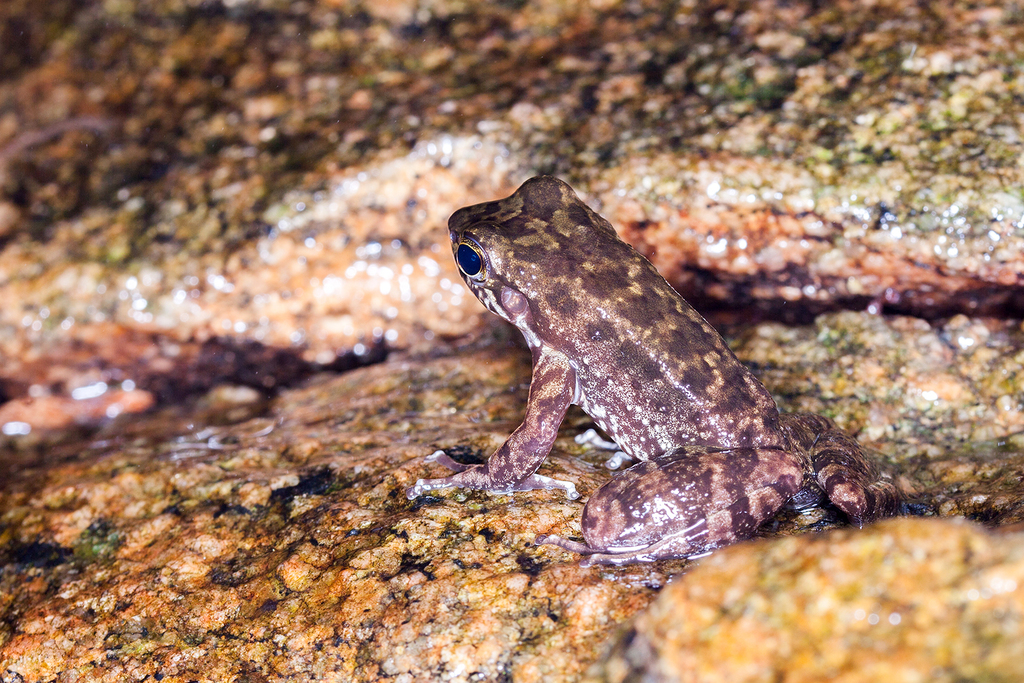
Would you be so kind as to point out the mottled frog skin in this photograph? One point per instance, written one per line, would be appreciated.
(608, 333)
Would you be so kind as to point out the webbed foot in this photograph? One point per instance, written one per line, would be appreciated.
(592, 438)
(687, 543)
(853, 481)
(478, 477)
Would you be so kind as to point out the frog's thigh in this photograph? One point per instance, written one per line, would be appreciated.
(851, 480)
(676, 506)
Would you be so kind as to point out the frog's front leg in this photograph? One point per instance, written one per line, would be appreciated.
(512, 467)
(684, 504)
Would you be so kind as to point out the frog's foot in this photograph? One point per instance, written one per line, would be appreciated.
(863, 503)
(688, 543)
(617, 460)
(477, 477)
(851, 480)
(442, 458)
(539, 481)
(592, 438)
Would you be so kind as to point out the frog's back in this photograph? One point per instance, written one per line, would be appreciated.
(652, 372)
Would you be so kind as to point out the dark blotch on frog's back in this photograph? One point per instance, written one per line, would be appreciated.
(569, 306)
(579, 214)
(539, 205)
(538, 198)
(545, 196)
(489, 212)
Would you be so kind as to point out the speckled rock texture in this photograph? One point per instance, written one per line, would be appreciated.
(238, 540)
(899, 382)
(262, 172)
(283, 547)
(215, 215)
(903, 601)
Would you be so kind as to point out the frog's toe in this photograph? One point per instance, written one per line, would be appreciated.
(591, 555)
(864, 504)
(539, 481)
(564, 543)
(591, 437)
(466, 476)
(848, 497)
(425, 486)
(442, 458)
(478, 477)
(618, 459)
(472, 477)
(852, 482)
(682, 544)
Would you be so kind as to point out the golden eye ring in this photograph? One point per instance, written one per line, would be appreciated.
(470, 258)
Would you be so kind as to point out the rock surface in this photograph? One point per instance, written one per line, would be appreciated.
(271, 173)
(210, 210)
(281, 545)
(905, 600)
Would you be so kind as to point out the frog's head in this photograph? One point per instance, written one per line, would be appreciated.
(510, 250)
(542, 259)
(484, 252)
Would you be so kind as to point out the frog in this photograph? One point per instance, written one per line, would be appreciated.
(714, 456)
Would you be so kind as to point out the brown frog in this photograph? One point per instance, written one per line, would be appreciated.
(608, 333)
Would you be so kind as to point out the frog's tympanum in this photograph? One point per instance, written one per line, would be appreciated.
(608, 333)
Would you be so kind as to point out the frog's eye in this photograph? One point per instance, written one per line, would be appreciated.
(470, 260)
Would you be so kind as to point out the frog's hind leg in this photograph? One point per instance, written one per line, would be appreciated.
(851, 480)
(684, 504)
(685, 543)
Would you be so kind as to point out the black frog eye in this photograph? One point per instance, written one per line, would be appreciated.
(470, 261)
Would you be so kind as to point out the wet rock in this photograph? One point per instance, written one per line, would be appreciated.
(47, 413)
(282, 175)
(283, 545)
(904, 600)
(902, 384)
(235, 203)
